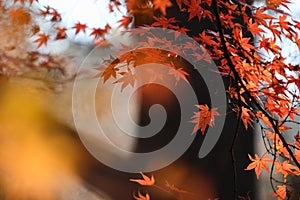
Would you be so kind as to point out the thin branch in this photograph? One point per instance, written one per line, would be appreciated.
(235, 136)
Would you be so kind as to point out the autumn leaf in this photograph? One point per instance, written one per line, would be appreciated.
(178, 73)
(280, 192)
(61, 33)
(205, 39)
(164, 22)
(259, 163)
(254, 28)
(180, 30)
(108, 72)
(20, 16)
(246, 118)
(162, 5)
(204, 118)
(283, 23)
(264, 118)
(261, 16)
(146, 181)
(141, 197)
(125, 21)
(127, 79)
(114, 4)
(55, 16)
(98, 32)
(79, 27)
(42, 39)
(195, 9)
(274, 4)
(286, 168)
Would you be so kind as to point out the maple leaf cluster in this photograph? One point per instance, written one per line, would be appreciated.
(265, 87)
(244, 43)
(150, 182)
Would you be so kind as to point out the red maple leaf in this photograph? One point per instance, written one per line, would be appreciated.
(61, 33)
(195, 9)
(79, 27)
(55, 15)
(46, 11)
(98, 32)
(164, 22)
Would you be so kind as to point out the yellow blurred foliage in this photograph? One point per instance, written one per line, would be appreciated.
(35, 153)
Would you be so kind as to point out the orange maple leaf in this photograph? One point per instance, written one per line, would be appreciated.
(274, 4)
(162, 5)
(141, 197)
(204, 118)
(42, 39)
(280, 192)
(125, 21)
(259, 163)
(146, 181)
(286, 168)
(254, 28)
(20, 16)
(206, 39)
(283, 23)
(246, 118)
